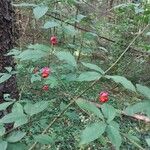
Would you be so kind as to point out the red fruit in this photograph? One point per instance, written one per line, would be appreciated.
(103, 97)
(53, 40)
(45, 75)
(45, 87)
(45, 72)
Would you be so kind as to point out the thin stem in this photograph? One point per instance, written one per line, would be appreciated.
(80, 51)
(22, 88)
(75, 24)
(119, 58)
(86, 30)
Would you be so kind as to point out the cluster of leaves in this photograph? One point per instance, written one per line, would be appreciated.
(66, 71)
(23, 110)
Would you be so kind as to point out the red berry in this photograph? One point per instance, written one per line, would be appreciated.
(45, 72)
(53, 40)
(45, 87)
(45, 75)
(103, 97)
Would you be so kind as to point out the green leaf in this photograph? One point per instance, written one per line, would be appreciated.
(5, 77)
(35, 77)
(62, 106)
(114, 124)
(4, 105)
(108, 111)
(16, 116)
(143, 90)
(122, 80)
(90, 36)
(93, 67)
(32, 109)
(40, 11)
(88, 106)
(92, 132)
(73, 116)
(69, 77)
(132, 137)
(79, 17)
(15, 136)
(67, 57)
(50, 24)
(142, 107)
(89, 76)
(70, 30)
(52, 81)
(11, 117)
(9, 69)
(114, 136)
(148, 33)
(2, 129)
(148, 141)
(40, 47)
(21, 121)
(3, 145)
(43, 139)
(138, 10)
(16, 146)
(18, 109)
(14, 52)
(32, 55)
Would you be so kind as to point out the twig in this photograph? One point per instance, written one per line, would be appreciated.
(78, 27)
(126, 49)
(140, 117)
(102, 37)
(135, 116)
(92, 84)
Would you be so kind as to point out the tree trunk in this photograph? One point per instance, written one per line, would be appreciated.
(6, 44)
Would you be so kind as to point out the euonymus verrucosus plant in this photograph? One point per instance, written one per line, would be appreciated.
(54, 66)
